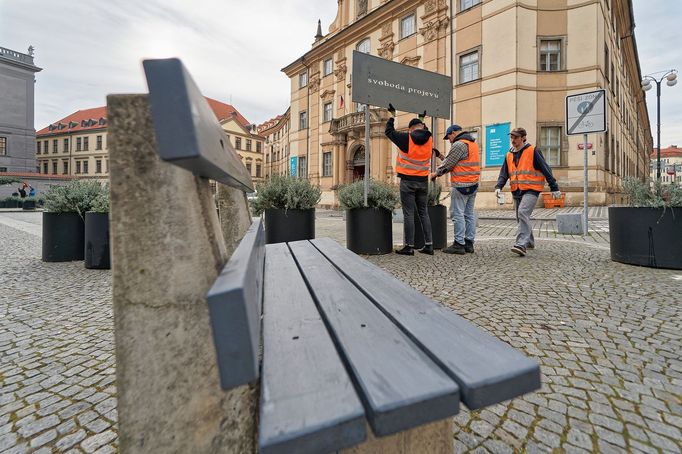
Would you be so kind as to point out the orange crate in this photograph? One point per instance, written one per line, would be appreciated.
(553, 203)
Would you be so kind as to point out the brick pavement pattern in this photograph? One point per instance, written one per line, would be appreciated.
(608, 336)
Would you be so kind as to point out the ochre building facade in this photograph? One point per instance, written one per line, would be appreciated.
(512, 64)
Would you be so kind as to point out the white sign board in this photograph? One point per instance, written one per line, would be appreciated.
(586, 112)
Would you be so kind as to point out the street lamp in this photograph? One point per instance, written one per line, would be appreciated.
(671, 77)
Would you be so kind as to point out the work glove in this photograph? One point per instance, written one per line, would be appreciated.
(556, 194)
(422, 116)
(498, 193)
(437, 153)
(391, 109)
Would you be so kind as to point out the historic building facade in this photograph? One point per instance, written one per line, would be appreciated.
(77, 145)
(671, 165)
(512, 64)
(276, 133)
(17, 132)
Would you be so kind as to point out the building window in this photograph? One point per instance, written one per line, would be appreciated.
(54, 146)
(98, 144)
(363, 46)
(258, 170)
(248, 167)
(327, 67)
(98, 166)
(550, 144)
(360, 107)
(408, 26)
(78, 144)
(302, 80)
(248, 144)
(107, 166)
(54, 167)
(85, 143)
(78, 167)
(66, 145)
(466, 4)
(85, 166)
(468, 67)
(46, 147)
(65, 167)
(37, 147)
(327, 115)
(45, 167)
(3, 146)
(238, 143)
(259, 147)
(606, 62)
(550, 55)
(327, 164)
(302, 167)
(303, 120)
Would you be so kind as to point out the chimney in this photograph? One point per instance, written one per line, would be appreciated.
(319, 36)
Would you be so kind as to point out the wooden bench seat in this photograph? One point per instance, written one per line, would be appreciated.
(345, 343)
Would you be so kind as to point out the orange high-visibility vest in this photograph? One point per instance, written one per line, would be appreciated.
(417, 160)
(524, 176)
(467, 171)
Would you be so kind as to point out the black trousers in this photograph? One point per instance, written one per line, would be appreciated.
(414, 196)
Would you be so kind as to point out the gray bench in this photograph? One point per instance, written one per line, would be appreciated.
(344, 344)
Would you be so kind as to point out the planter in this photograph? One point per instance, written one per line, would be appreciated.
(63, 235)
(29, 205)
(11, 204)
(646, 236)
(289, 225)
(369, 231)
(438, 215)
(2, 204)
(97, 255)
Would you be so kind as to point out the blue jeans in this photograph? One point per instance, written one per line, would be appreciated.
(462, 214)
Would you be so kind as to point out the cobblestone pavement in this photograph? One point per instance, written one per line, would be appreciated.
(57, 391)
(608, 336)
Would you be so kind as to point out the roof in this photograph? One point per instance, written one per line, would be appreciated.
(96, 118)
(672, 151)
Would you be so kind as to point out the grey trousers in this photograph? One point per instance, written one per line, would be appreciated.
(524, 209)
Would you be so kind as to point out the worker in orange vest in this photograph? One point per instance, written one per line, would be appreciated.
(413, 165)
(464, 166)
(526, 170)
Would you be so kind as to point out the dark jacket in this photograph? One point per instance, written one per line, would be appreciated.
(402, 141)
(539, 164)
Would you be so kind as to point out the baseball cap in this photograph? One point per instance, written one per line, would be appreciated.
(415, 121)
(451, 129)
(518, 132)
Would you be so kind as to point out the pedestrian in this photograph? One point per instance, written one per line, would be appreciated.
(22, 191)
(31, 191)
(464, 166)
(412, 166)
(526, 170)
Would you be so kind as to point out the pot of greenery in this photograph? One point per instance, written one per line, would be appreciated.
(29, 203)
(97, 254)
(369, 229)
(438, 215)
(648, 232)
(63, 224)
(12, 202)
(289, 206)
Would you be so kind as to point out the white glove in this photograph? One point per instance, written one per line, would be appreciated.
(556, 194)
(498, 193)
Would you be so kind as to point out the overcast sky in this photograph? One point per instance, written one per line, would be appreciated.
(234, 49)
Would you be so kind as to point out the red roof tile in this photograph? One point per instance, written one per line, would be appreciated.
(671, 152)
(75, 121)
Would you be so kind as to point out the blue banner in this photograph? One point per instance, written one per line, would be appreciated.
(497, 143)
(293, 166)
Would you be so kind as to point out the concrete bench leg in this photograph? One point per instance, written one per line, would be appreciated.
(167, 248)
(569, 223)
(433, 438)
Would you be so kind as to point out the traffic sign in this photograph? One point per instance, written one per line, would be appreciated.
(586, 112)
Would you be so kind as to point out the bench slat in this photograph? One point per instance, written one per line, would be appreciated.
(234, 304)
(308, 403)
(399, 385)
(487, 370)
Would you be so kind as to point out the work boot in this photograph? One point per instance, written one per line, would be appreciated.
(406, 250)
(427, 249)
(530, 246)
(520, 250)
(455, 248)
(469, 246)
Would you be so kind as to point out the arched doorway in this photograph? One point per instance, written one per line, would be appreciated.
(359, 163)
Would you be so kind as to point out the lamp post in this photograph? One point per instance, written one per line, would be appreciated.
(671, 77)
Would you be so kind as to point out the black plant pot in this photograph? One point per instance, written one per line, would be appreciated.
(438, 215)
(97, 255)
(646, 236)
(289, 225)
(62, 237)
(29, 205)
(369, 231)
(12, 204)
(2, 204)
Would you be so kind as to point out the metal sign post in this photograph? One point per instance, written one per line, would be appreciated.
(585, 113)
(366, 152)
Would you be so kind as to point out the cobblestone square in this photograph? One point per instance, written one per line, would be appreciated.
(608, 337)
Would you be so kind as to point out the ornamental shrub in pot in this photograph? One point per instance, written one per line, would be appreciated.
(289, 207)
(369, 229)
(63, 224)
(96, 241)
(648, 232)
